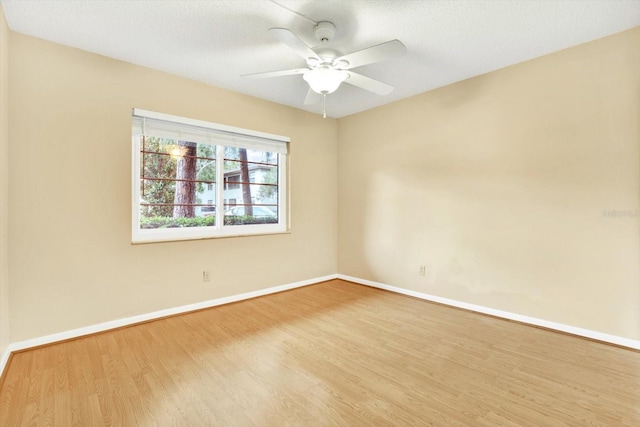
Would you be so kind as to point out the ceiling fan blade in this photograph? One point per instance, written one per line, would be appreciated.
(369, 84)
(381, 52)
(294, 42)
(276, 73)
(312, 97)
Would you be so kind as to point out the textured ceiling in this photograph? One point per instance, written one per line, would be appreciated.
(217, 41)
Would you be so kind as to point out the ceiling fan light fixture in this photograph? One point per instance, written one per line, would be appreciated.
(325, 80)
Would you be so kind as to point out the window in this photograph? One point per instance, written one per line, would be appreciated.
(231, 182)
(195, 179)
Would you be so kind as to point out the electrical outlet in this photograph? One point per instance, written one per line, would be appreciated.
(423, 270)
(205, 276)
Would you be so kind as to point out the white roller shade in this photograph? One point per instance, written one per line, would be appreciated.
(161, 125)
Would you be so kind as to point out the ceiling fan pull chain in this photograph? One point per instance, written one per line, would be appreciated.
(324, 105)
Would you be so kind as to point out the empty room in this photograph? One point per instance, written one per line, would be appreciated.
(319, 213)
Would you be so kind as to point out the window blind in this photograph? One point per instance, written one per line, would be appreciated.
(162, 125)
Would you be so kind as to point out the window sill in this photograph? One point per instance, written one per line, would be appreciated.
(154, 237)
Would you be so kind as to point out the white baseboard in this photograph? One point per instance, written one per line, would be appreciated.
(5, 358)
(612, 339)
(101, 327)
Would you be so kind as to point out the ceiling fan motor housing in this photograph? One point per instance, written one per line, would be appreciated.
(325, 31)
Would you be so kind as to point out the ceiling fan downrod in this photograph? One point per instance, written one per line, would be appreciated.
(324, 105)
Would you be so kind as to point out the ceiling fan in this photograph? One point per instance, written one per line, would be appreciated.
(327, 68)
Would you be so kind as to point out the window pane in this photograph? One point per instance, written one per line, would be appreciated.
(251, 182)
(177, 184)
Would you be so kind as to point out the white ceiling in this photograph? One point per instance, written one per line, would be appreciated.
(217, 41)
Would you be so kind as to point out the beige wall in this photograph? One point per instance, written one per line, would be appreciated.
(4, 184)
(498, 184)
(72, 263)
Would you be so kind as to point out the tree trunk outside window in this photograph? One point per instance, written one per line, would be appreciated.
(244, 177)
(185, 190)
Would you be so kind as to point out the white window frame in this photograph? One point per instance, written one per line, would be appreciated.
(213, 130)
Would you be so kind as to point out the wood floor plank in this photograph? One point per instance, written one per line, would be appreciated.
(330, 354)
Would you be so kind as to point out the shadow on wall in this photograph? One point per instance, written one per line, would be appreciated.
(484, 240)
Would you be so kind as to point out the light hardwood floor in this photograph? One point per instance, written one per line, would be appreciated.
(334, 353)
